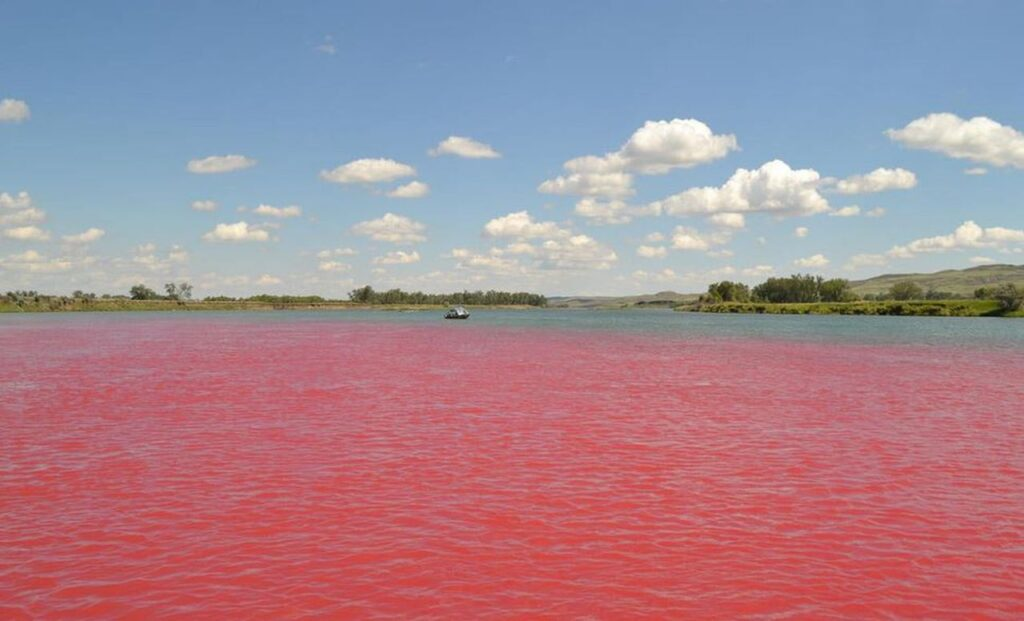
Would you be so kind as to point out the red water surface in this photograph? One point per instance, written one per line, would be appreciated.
(226, 469)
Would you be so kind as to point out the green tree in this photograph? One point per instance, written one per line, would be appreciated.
(1010, 298)
(142, 292)
(728, 291)
(836, 290)
(906, 290)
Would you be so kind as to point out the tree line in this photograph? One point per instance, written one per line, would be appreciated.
(804, 288)
(367, 295)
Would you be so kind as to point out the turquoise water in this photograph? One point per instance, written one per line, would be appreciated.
(957, 331)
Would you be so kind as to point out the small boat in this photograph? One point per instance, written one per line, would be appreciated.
(457, 312)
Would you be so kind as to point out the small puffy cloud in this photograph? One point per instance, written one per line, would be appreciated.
(801, 231)
(610, 212)
(462, 146)
(878, 180)
(333, 266)
(877, 212)
(327, 47)
(979, 139)
(493, 262)
(654, 237)
(660, 146)
(397, 257)
(967, 235)
(268, 280)
(976, 172)
(858, 261)
(773, 188)
(391, 228)
(291, 211)
(29, 215)
(728, 220)
(237, 232)
(609, 185)
(336, 252)
(85, 237)
(686, 238)
(813, 261)
(521, 224)
(204, 205)
(413, 189)
(651, 252)
(146, 256)
(846, 212)
(14, 111)
(27, 233)
(981, 260)
(576, 252)
(759, 271)
(368, 170)
(21, 200)
(35, 263)
(215, 164)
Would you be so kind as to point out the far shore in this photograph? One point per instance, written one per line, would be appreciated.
(914, 308)
(120, 305)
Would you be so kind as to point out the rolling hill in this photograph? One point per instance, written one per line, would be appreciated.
(962, 282)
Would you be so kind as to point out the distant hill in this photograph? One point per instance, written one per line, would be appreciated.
(664, 299)
(962, 282)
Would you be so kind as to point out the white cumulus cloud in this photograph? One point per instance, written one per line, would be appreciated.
(801, 231)
(220, 164)
(773, 188)
(204, 205)
(967, 235)
(368, 170)
(27, 233)
(462, 146)
(14, 111)
(686, 238)
(336, 252)
(522, 225)
(391, 228)
(291, 211)
(878, 180)
(976, 172)
(979, 139)
(651, 252)
(89, 235)
(656, 148)
(237, 232)
(413, 189)
(817, 260)
(267, 280)
(333, 266)
(846, 212)
(397, 257)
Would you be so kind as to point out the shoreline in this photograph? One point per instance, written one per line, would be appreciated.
(114, 306)
(909, 308)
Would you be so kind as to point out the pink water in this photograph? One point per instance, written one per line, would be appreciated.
(225, 468)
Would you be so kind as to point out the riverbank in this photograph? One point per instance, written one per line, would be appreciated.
(912, 308)
(51, 305)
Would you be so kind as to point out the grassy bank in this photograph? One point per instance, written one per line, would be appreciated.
(116, 305)
(918, 308)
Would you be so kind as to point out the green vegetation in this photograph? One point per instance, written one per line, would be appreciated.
(809, 295)
(927, 308)
(367, 295)
(179, 298)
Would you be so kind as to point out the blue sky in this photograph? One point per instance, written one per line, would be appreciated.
(779, 110)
